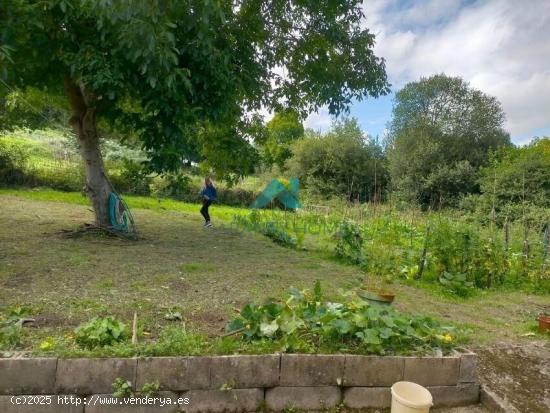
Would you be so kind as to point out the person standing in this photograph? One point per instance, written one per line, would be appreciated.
(208, 194)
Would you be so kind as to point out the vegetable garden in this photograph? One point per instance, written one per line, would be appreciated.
(445, 249)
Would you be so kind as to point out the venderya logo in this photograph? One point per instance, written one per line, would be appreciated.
(283, 190)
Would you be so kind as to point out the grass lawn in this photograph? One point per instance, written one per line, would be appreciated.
(179, 266)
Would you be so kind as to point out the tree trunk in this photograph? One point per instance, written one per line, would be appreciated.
(83, 122)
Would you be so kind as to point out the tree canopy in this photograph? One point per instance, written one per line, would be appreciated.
(516, 183)
(341, 162)
(171, 68)
(185, 75)
(440, 134)
(281, 131)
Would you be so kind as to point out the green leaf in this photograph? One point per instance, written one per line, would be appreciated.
(269, 329)
(371, 336)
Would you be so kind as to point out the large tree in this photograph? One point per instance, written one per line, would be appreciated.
(340, 162)
(281, 131)
(440, 134)
(178, 71)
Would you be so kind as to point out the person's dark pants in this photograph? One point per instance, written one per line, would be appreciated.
(204, 210)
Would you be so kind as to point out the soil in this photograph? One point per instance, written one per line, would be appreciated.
(518, 374)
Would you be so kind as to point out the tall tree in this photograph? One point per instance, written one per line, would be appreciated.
(281, 131)
(440, 134)
(176, 70)
(517, 182)
(340, 162)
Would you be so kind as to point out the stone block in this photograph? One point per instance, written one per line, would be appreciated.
(214, 401)
(93, 376)
(432, 371)
(27, 376)
(468, 368)
(16, 404)
(453, 396)
(312, 370)
(245, 371)
(303, 398)
(367, 397)
(175, 373)
(373, 371)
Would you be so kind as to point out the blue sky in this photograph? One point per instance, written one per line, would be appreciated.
(501, 47)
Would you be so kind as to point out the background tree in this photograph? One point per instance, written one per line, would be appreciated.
(440, 134)
(340, 162)
(176, 70)
(282, 130)
(32, 108)
(515, 184)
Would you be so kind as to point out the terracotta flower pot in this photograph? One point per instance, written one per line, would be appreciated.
(544, 323)
(378, 297)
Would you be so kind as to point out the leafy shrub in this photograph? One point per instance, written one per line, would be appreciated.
(279, 235)
(150, 388)
(99, 332)
(339, 163)
(235, 196)
(10, 327)
(64, 176)
(459, 256)
(457, 283)
(271, 229)
(10, 335)
(13, 159)
(122, 388)
(349, 242)
(178, 185)
(306, 320)
(132, 178)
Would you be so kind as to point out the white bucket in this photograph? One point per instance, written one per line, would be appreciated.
(407, 397)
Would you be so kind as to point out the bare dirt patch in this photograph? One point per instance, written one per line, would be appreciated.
(518, 374)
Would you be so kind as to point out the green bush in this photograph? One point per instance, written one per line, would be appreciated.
(10, 327)
(271, 229)
(10, 336)
(457, 283)
(13, 159)
(100, 332)
(236, 196)
(279, 235)
(61, 176)
(349, 244)
(515, 186)
(339, 163)
(129, 176)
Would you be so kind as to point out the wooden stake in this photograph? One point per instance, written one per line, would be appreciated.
(134, 329)
(506, 235)
(424, 252)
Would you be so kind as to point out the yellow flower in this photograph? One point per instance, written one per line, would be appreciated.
(46, 345)
(248, 326)
(447, 338)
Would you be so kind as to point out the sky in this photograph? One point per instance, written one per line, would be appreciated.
(501, 47)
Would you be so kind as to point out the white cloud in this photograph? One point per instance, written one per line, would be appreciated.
(500, 46)
(320, 120)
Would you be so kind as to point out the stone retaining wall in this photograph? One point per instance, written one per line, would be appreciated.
(233, 383)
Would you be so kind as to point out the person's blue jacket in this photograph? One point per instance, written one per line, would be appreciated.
(209, 192)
